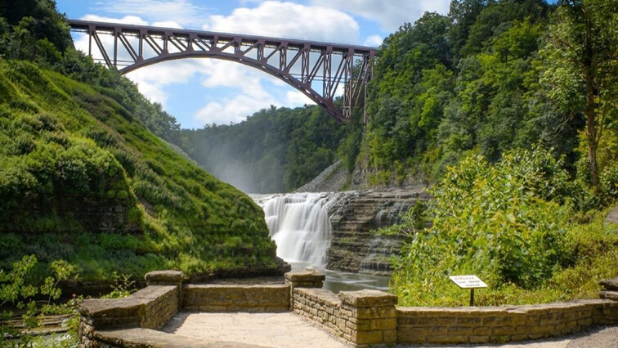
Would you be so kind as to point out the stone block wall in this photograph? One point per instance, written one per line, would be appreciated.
(236, 298)
(422, 325)
(366, 317)
(362, 318)
(320, 306)
(149, 308)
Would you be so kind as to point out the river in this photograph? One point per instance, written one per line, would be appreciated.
(300, 226)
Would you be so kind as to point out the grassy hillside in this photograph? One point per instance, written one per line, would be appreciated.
(83, 180)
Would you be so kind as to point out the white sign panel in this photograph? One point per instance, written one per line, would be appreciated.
(468, 282)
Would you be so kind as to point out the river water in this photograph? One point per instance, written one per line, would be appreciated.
(299, 225)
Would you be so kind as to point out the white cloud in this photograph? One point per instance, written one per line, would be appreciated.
(152, 79)
(167, 25)
(296, 98)
(183, 12)
(251, 94)
(373, 41)
(232, 110)
(390, 14)
(124, 20)
(289, 20)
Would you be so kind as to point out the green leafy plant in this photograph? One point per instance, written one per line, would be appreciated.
(16, 291)
(488, 220)
(123, 286)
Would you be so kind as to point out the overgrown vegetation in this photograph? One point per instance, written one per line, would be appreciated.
(84, 180)
(17, 292)
(460, 98)
(515, 225)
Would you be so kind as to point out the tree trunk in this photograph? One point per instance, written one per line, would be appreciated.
(590, 68)
(591, 130)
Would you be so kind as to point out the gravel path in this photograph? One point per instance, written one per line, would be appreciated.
(287, 330)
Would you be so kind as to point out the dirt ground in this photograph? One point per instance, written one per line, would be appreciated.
(287, 330)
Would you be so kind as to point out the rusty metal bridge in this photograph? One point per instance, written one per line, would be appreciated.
(321, 71)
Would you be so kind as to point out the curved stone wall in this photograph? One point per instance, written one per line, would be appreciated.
(362, 318)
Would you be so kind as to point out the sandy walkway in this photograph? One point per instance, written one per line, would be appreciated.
(287, 330)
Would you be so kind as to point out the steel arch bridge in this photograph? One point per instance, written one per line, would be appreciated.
(316, 69)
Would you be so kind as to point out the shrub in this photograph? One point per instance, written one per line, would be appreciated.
(492, 221)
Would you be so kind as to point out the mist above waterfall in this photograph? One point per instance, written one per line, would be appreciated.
(299, 225)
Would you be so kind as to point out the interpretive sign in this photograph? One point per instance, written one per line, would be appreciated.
(468, 282)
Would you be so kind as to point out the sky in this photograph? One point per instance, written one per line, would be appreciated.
(206, 91)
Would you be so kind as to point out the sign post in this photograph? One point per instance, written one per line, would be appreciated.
(468, 282)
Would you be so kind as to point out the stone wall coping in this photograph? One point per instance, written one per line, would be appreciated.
(146, 338)
(367, 298)
(235, 286)
(326, 296)
(164, 277)
(609, 284)
(102, 307)
(488, 311)
(304, 276)
(609, 295)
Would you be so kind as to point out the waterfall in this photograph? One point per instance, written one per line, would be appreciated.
(299, 225)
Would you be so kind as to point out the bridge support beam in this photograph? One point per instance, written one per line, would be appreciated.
(335, 70)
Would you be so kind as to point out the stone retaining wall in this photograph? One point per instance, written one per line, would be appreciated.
(236, 298)
(422, 325)
(320, 306)
(150, 308)
(362, 318)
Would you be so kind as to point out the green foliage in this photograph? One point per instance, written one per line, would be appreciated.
(85, 181)
(17, 291)
(489, 77)
(39, 32)
(122, 287)
(582, 65)
(501, 222)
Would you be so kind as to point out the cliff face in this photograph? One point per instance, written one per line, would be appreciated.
(354, 248)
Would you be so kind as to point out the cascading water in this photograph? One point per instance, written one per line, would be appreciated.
(299, 225)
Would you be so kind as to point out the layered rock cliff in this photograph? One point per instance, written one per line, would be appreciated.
(354, 217)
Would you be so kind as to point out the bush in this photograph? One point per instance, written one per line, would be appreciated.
(495, 221)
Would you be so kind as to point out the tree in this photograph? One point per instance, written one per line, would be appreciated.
(583, 50)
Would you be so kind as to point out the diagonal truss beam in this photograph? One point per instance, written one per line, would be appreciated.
(321, 71)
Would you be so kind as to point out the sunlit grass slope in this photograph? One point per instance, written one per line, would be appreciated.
(81, 179)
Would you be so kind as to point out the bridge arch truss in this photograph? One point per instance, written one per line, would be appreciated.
(321, 71)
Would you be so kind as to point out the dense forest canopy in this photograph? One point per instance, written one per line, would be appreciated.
(487, 77)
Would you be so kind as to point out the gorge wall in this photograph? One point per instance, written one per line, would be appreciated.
(354, 215)
(336, 230)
